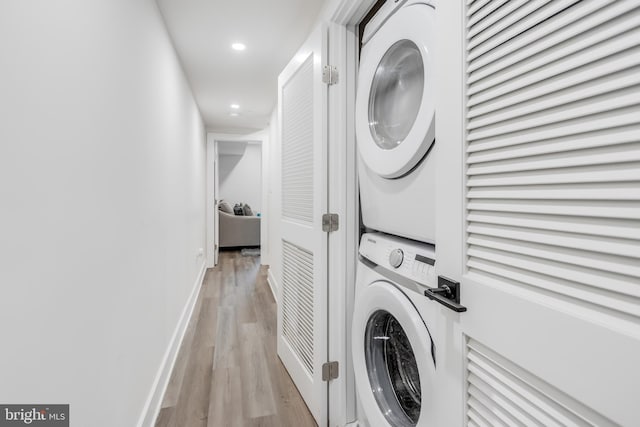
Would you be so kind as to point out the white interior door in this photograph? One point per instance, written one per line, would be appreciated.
(539, 212)
(302, 311)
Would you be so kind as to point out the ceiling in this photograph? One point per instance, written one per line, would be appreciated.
(203, 31)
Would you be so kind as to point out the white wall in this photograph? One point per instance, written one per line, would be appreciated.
(241, 177)
(102, 182)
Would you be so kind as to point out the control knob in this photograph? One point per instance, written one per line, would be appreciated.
(396, 257)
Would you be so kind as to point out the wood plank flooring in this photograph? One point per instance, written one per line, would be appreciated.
(228, 372)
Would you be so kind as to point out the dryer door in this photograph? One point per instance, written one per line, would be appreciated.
(393, 358)
(395, 103)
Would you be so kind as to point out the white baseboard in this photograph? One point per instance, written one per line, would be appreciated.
(154, 401)
(273, 285)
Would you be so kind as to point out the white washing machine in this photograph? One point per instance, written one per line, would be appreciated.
(392, 344)
(395, 121)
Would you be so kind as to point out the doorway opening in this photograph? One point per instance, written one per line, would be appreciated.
(237, 194)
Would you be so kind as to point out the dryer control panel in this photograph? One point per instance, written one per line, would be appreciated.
(408, 258)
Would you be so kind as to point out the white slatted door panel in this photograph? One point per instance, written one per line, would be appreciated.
(525, 148)
(302, 311)
(297, 145)
(501, 393)
(298, 302)
(552, 185)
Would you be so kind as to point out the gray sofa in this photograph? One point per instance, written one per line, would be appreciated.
(238, 230)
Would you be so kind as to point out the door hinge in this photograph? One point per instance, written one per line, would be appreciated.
(330, 222)
(329, 371)
(330, 74)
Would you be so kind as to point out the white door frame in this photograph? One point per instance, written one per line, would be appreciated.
(212, 198)
(343, 16)
(211, 204)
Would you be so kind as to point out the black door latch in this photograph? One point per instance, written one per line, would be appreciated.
(447, 293)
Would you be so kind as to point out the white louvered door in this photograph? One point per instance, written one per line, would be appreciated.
(539, 216)
(302, 309)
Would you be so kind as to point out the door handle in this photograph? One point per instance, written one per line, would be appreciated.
(447, 293)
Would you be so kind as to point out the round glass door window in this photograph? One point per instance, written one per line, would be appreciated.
(396, 94)
(392, 369)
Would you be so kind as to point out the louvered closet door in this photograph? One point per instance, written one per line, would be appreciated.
(548, 186)
(302, 310)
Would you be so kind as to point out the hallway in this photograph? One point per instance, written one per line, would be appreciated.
(228, 372)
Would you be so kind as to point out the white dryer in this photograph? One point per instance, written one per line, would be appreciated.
(392, 345)
(395, 120)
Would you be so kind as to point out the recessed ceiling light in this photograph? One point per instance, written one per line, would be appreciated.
(234, 114)
(235, 106)
(238, 46)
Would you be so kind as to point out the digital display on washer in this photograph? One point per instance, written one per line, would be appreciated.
(425, 259)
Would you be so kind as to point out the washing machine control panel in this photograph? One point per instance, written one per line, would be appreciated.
(413, 260)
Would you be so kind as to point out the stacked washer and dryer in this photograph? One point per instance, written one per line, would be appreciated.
(393, 345)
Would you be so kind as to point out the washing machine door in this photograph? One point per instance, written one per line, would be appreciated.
(393, 358)
(395, 106)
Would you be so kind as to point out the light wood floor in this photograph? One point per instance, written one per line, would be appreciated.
(228, 372)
